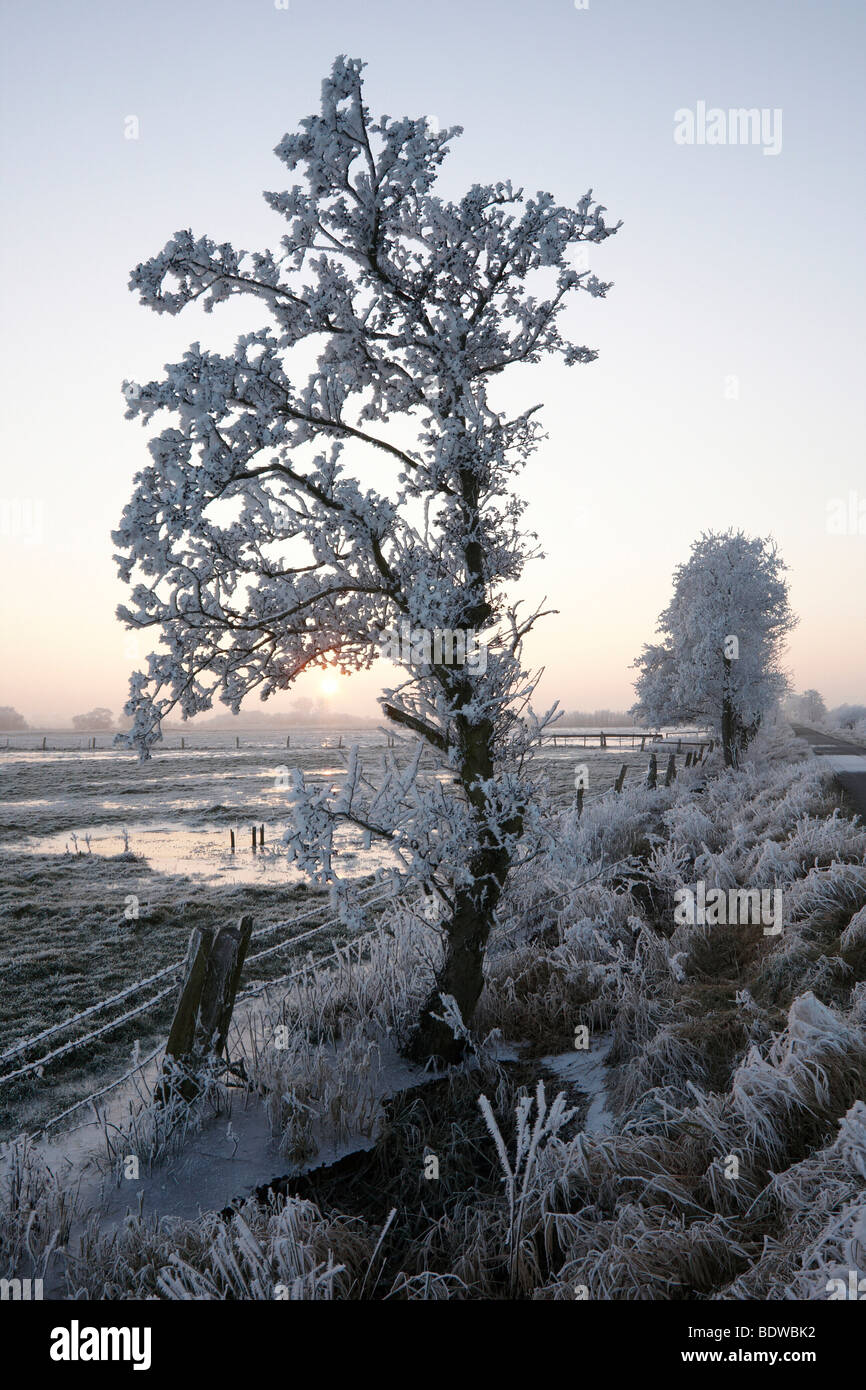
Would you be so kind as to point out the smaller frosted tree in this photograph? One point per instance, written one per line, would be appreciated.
(99, 718)
(723, 634)
(812, 707)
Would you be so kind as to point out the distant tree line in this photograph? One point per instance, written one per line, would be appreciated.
(597, 718)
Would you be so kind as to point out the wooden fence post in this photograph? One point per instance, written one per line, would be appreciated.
(579, 801)
(222, 978)
(617, 786)
(652, 772)
(671, 773)
(198, 1034)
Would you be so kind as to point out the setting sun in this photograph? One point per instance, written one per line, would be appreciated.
(330, 685)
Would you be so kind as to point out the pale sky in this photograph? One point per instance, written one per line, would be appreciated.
(729, 386)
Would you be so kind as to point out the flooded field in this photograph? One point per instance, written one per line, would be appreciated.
(108, 863)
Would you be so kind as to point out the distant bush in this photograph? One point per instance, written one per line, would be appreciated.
(11, 720)
(98, 718)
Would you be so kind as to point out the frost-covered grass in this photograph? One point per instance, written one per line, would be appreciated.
(66, 944)
(736, 1164)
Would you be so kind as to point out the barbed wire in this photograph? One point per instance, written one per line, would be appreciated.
(251, 992)
(27, 1043)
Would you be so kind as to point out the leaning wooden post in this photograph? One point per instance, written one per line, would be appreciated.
(199, 1032)
(652, 772)
(182, 1032)
(222, 978)
(617, 786)
(671, 773)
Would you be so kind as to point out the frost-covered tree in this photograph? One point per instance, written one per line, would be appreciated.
(723, 634)
(98, 718)
(10, 719)
(812, 707)
(256, 552)
(848, 716)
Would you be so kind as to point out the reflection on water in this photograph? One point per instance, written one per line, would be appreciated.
(178, 810)
(202, 854)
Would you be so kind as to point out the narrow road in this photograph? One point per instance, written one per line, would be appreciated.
(847, 760)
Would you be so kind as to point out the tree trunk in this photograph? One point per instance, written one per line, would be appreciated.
(729, 722)
(729, 740)
(462, 976)
(462, 973)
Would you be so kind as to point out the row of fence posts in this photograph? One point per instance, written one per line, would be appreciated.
(693, 757)
(258, 839)
(91, 743)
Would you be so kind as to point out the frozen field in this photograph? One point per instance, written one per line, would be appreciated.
(91, 837)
